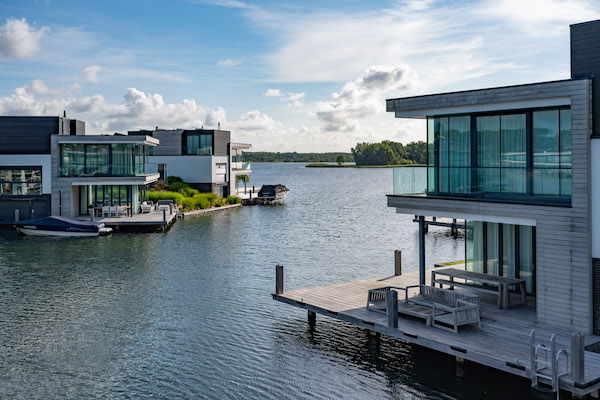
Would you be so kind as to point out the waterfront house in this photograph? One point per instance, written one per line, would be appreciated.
(49, 166)
(521, 165)
(205, 159)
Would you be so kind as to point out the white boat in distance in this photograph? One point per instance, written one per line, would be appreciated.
(61, 226)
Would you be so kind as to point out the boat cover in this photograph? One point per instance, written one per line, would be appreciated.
(60, 222)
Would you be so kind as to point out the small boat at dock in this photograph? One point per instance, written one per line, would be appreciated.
(61, 226)
(269, 194)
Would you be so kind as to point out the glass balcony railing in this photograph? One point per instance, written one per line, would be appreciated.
(83, 170)
(552, 185)
(240, 165)
(410, 180)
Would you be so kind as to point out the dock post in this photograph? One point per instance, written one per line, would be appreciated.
(397, 262)
(312, 317)
(164, 216)
(577, 357)
(17, 215)
(421, 249)
(391, 300)
(278, 279)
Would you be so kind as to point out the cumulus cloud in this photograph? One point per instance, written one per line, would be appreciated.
(90, 74)
(362, 97)
(229, 63)
(290, 98)
(216, 117)
(19, 40)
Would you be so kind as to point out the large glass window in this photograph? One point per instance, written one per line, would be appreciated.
(517, 155)
(97, 159)
(123, 159)
(72, 159)
(199, 144)
(19, 181)
(501, 250)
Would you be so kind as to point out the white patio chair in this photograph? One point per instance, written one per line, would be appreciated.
(121, 211)
(113, 211)
(105, 211)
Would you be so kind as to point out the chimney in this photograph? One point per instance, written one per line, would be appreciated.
(219, 126)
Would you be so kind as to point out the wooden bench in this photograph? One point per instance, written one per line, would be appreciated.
(442, 308)
(496, 285)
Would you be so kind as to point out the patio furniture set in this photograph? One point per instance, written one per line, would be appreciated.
(112, 211)
(447, 308)
(167, 205)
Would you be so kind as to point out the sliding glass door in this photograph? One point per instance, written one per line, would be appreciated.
(501, 250)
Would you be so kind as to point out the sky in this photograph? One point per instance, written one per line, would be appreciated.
(306, 76)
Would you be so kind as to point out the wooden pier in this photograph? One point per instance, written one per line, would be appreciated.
(147, 222)
(503, 342)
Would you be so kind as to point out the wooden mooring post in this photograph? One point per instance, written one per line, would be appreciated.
(577, 357)
(391, 299)
(279, 279)
(397, 262)
(312, 317)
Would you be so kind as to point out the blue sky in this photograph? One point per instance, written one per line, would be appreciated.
(283, 75)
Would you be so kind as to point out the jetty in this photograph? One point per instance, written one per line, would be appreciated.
(503, 342)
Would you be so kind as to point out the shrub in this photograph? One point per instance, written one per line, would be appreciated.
(164, 195)
(177, 186)
(174, 179)
(188, 191)
(233, 200)
(159, 185)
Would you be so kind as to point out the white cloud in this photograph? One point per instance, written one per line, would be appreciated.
(362, 97)
(273, 93)
(90, 74)
(19, 40)
(216, 118)
(290, 98)
(229, 63)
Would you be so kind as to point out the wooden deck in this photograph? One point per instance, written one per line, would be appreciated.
(137, 222)
(501, 343)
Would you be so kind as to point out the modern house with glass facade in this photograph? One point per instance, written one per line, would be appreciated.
(49, 166)
(91, 171)
(25, 163)
(204, 158)
(520, 165)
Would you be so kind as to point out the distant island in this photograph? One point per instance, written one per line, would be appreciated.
(265, 156)
(383, 154)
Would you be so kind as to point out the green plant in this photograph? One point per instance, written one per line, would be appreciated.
(177, 186)
(243, 178)
(164, 195)
(233, 200)
(159, 185)
(340, 159)
(174, 179)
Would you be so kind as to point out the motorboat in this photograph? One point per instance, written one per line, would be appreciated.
(61, 226)
(272, 194)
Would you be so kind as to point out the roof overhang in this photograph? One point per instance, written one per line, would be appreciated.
(486, 107)
(118, 181)
(110, 139)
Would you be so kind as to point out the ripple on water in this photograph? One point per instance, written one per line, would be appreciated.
(188, 314)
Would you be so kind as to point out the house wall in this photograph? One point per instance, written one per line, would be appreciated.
(563, 234)
(170, 143)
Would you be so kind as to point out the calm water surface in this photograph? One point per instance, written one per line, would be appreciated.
(188, 314)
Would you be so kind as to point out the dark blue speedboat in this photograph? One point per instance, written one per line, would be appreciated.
(61, 226)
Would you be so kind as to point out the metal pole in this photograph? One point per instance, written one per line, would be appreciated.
(421, 249)
(17, 215)
(164, 215)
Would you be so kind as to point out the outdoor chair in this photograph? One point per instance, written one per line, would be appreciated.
(113, 211)
(105, 211)
(121, 211)
(147, 207)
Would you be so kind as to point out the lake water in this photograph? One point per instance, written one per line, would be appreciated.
(188, 314)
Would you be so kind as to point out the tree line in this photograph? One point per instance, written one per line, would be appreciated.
(265, 156)
(390, 153)
(384, 153)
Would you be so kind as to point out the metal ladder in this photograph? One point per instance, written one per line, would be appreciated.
(545, 363)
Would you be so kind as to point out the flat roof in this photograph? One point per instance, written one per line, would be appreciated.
(137, 139)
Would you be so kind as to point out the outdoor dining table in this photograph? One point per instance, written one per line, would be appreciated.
(98, 210)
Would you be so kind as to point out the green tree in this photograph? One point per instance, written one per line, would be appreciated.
(340, 159)
(243, 178)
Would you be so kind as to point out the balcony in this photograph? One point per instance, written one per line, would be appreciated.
(551, 186)
(113, 170)
(241, 166)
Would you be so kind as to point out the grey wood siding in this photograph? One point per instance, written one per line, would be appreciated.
(170, 142)
(585, 61)
(563, 234)
(27, 135)
(221, 141)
